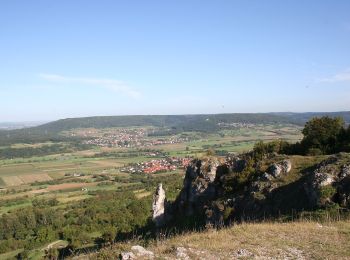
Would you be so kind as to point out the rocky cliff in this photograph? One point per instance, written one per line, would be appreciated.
(218, 191)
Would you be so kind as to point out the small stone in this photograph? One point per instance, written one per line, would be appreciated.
(140, 251)
(127, 255)
(243, 253)
(181, 253)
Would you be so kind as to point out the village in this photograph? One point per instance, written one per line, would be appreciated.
(157, 165)
(125, 137)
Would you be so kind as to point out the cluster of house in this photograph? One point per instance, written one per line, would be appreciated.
(237, 125)
(132, 140)
(116, 137)
(157, 165)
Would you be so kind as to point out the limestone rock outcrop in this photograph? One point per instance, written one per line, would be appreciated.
(329, 182)
(217, 191)
(158, 207)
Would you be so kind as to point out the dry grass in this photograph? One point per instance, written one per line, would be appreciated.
(294, 240)
(276, 240)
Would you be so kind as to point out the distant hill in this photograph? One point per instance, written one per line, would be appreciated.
(19, 125)
(204, 123)
(186, 122)
(304, 117)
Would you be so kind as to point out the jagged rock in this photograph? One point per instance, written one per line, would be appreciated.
(158, 206)
(199, 186)
(142, 252)
(322, 179)
(217, 192)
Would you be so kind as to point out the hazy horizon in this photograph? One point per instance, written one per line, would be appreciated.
(76, 59)
(39, 122)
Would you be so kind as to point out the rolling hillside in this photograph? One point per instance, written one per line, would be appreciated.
(178, 123)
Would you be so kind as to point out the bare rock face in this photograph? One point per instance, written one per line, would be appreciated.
(200, 185)
(158, 206)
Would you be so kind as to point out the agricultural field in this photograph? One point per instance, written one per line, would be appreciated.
(99, 159)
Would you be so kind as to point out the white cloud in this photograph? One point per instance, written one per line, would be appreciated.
(342, 76)
(111, 84)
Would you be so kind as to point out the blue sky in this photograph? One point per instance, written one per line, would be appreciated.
(66, 58)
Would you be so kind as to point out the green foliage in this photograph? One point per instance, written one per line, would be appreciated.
(322, 133)
(40, 203)
(51, 254)
(227, 213)
(24, 255)
(109, 235)
(326, 193)
(261, 149)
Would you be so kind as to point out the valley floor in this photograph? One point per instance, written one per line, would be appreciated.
(294, 240)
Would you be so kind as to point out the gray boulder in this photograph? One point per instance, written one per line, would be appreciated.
(279, 168)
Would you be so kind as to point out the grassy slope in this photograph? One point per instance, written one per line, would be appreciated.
(294, 240)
